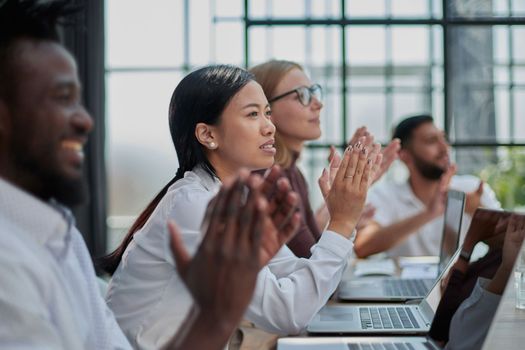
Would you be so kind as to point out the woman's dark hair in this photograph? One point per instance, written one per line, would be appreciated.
(200, 97)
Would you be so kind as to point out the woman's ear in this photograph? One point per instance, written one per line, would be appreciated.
(206, 136)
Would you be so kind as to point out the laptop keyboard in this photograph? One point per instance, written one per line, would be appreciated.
(405, 287)
(387, 318)
(386, 346)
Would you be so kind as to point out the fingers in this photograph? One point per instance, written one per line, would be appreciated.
(331, 154)
(516, 229)
(270, 180)
(214, 215)
(367, 176)
(287, 208)
(246, 215)
(290, 228)
(360, 132)
(180, 254)
(349, 172)
(362, 161)
(335, 163)
(230, 216)
(340, 175)
(479, 191)
(376, 159)
(447, 176)
(324, 183)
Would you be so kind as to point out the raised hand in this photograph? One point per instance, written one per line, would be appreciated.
(221, 276)
(366, 216)
(228, 255)
(485, 224)
(473, 199)
(513, 240)
(328, 176)
(358, 134)
(511, 248)
(345, 197)
(282, 220)
(390, 153)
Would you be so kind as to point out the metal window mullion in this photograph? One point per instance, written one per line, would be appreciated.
(246, 29)
(446, 72)
(186, 35)
(511, 82)
(344, 70)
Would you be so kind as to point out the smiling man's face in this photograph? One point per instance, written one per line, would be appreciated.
(48, 123)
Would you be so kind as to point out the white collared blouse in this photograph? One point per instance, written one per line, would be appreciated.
(150, 301)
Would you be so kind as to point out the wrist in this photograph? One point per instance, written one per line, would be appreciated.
(468, 247)
(429, 215)
(214, 325)
(201, 330)
(342, 227)
(465, 254)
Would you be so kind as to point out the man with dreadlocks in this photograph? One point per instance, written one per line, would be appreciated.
(49, 297)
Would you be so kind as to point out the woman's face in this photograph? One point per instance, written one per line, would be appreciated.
(245, 133)
(295, 122)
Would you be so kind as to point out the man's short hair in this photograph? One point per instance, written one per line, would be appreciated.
(404, 130)
(27, 19)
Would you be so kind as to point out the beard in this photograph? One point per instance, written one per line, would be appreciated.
(428, 170)
(67, 191)
(44, 179)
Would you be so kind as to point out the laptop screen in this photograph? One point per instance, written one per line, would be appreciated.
(434, 295)
(451, 227)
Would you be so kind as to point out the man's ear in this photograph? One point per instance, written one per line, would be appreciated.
(404, 155)
(205, 134)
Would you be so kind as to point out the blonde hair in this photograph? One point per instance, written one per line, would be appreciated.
(269, 75)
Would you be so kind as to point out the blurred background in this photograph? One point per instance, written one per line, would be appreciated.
(378, 61)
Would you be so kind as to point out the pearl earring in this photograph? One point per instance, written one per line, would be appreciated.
(212, 145)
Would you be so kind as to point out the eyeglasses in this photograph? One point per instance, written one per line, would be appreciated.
(304, 93)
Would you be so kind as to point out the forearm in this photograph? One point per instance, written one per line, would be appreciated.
(499, 281)
(200, 330)
(291, 291)
(375, 239)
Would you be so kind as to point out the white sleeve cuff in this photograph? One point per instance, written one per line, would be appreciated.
(336, 243)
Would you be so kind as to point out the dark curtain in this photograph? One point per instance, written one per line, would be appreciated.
(85, 39)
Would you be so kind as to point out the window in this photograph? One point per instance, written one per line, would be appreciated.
(378, 61)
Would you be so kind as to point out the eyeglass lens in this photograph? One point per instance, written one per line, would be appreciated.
(306, 94)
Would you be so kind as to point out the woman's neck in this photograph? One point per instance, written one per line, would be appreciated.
(295, 146)
(222, 170)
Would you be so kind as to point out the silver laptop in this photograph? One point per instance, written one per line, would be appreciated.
(399, 289)
(356, 343)
(381, 318)
(361, 343)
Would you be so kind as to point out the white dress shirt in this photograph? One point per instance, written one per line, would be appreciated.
(150, 300)
(49, 296)
(396, 201)
(471, 322)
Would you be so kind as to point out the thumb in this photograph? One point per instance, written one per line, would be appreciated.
(480, 188)
(324, 183)
(182, 258)
(332, 153)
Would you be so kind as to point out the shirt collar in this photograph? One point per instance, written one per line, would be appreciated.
(44, 221)
(212, 184)
(408, 196)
